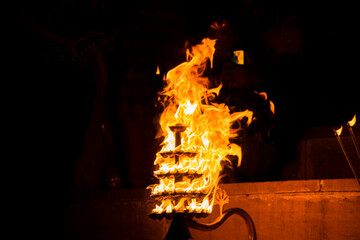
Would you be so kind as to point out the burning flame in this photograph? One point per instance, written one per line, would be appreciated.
(189, 171)
(157, 70)
(264, 95)
(352, 121)
(339, 131)
(218, 26)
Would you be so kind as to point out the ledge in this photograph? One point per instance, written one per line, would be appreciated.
(233, 189)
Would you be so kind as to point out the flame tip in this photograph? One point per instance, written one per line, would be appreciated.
(218, 26)
(352, 122)
(157, 70)
(338, 131)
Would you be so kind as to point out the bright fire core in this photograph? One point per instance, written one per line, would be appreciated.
(189, 170)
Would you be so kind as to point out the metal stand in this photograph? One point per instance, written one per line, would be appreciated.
(248, 220)
(178, 229)
(179, 226)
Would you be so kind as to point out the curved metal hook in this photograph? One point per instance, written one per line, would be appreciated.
(227, 213)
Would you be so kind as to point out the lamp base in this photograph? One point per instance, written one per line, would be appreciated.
(178, 229)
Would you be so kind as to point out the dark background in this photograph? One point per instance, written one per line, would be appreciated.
(85, 87)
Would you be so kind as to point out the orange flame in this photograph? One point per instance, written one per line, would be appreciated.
(218, 26)
(264, 95)
(352, 121)
(272, 107)
(157, 70)
(189, 183)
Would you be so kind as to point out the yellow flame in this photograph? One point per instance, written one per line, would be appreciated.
(352, 121)
(339, 131)
(188, 101)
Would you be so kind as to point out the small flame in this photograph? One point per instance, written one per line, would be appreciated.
(264, 95)
(218, 26)
(157, 70)
(339, 131)
(352, 121)
(272, 107)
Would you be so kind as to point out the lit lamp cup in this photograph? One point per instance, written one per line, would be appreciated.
(350, 124)
(337, 134)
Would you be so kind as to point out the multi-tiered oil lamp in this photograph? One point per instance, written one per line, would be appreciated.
(196, 132)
